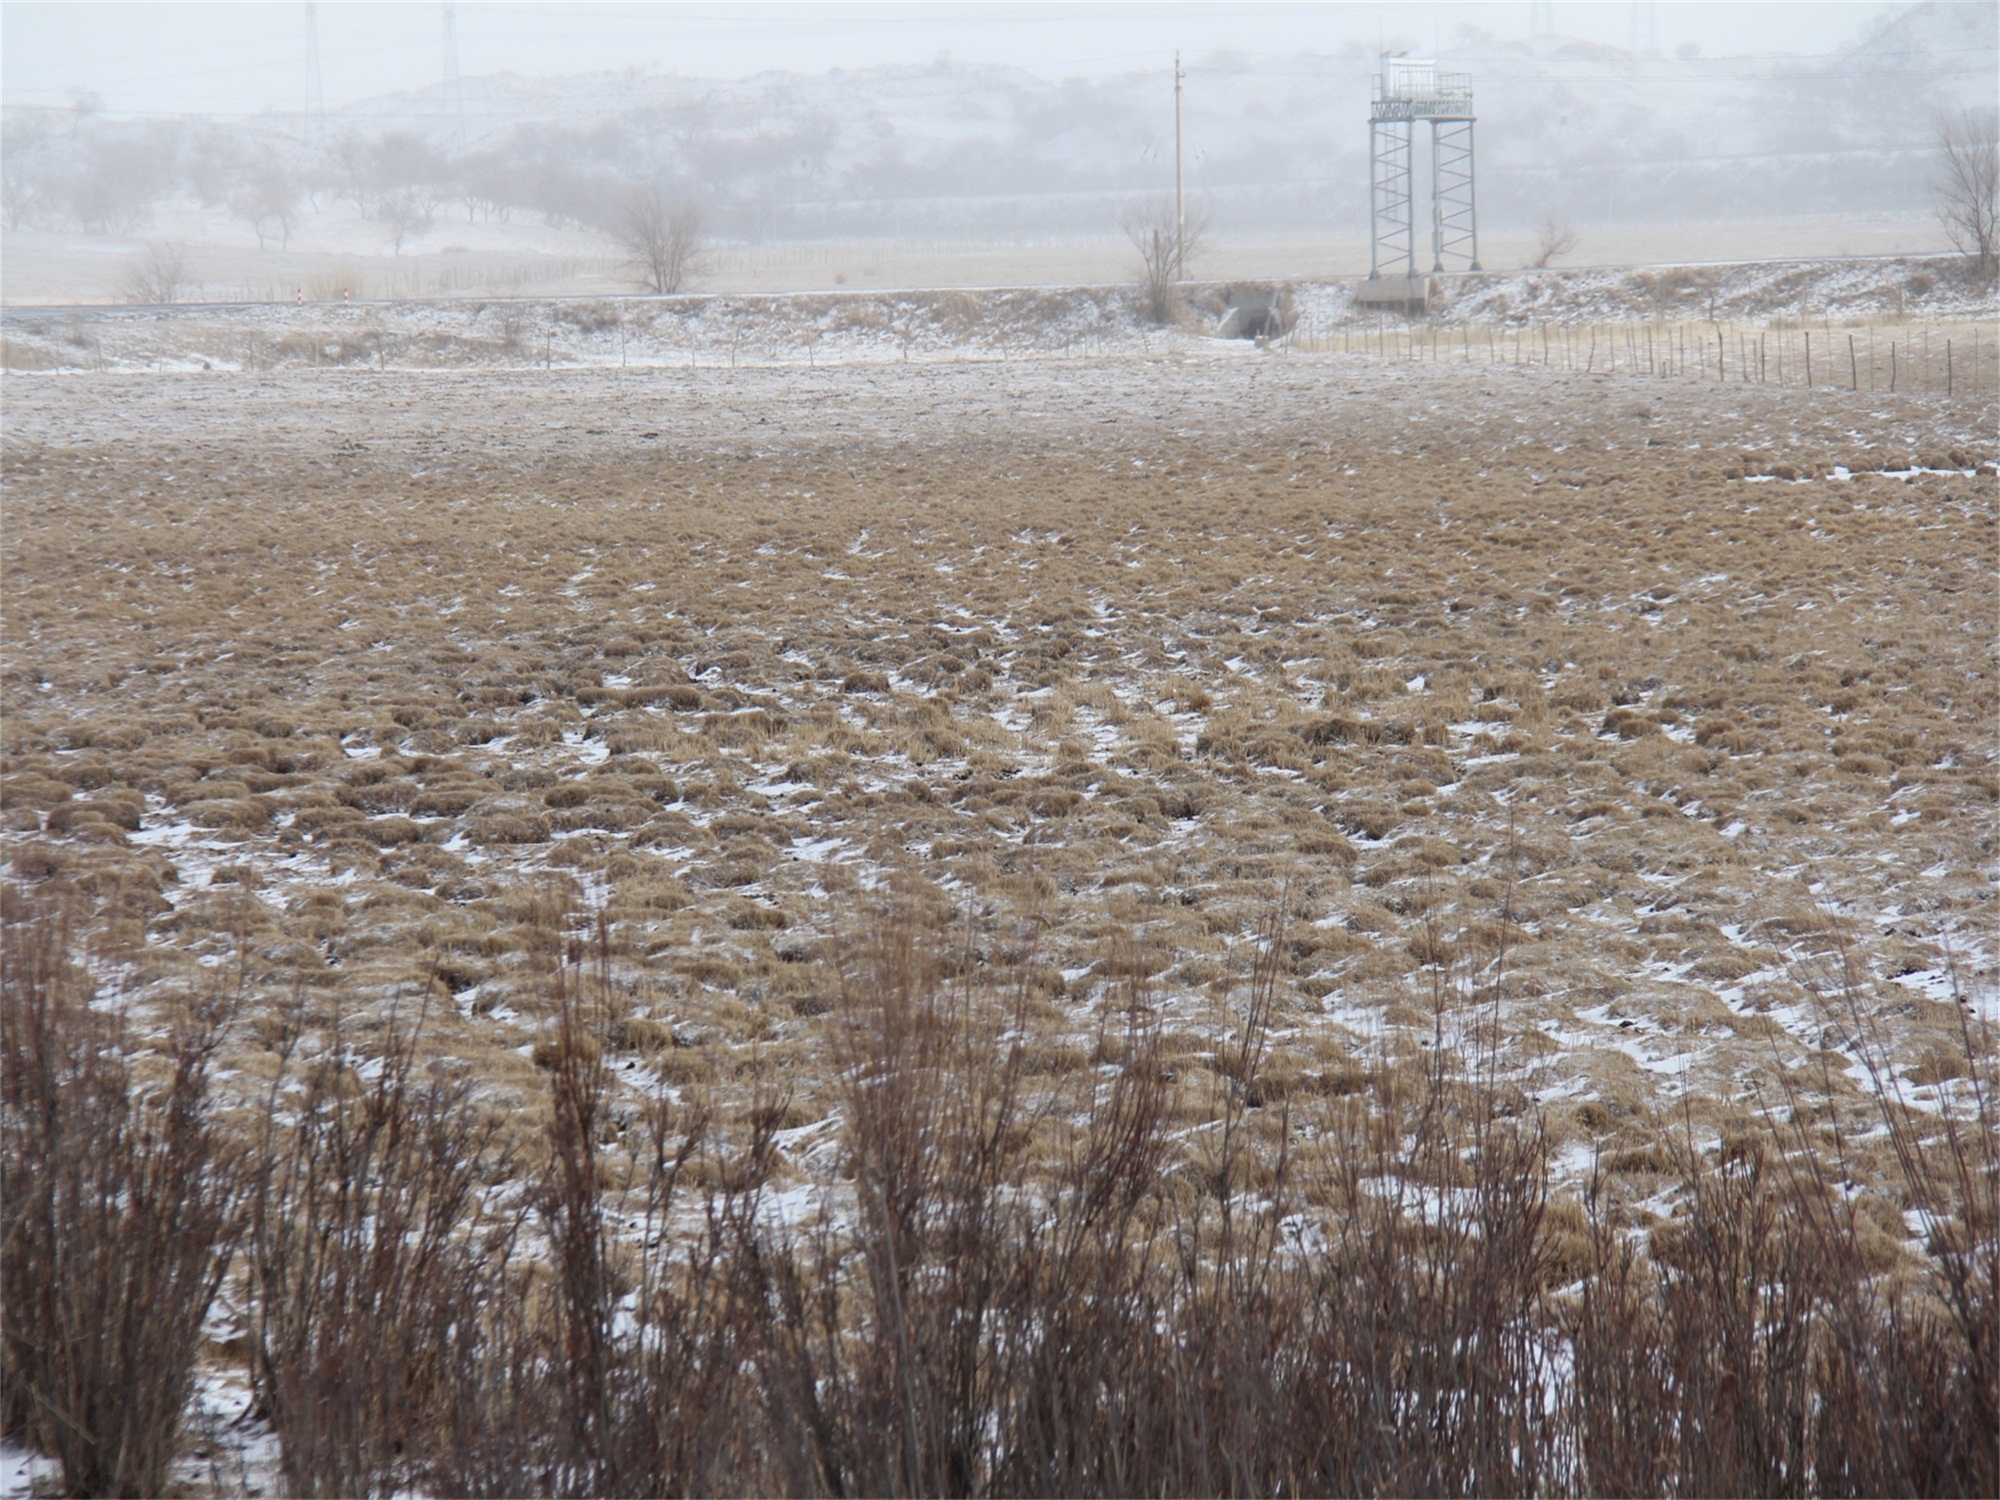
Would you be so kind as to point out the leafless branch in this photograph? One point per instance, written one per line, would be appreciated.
(1967, 185)
(1166, 248)
(159, 276)
(663, 238)
(1558, 240)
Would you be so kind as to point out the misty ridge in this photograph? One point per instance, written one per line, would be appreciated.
(1586, 132)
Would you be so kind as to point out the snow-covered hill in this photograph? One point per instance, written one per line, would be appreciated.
(1276, 141)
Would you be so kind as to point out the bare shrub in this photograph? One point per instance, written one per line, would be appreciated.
(1754, 1340)
(641, 1344)
(1557, 240)
(1750, 1343)
(1134, 1316)
(932, 1115)
(123, 1204)
(376, 1261)
(159, 276)
(1160, 1328)
(339, 284)
(1045, 1285)
(403, 212)
(1922, 1370)
(663, 238)
(1166, 247)
(1967, 185)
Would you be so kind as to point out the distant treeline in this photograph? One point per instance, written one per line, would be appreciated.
(1582, 132)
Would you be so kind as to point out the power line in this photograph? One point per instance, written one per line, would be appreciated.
(1260, 63)
(1502, 71)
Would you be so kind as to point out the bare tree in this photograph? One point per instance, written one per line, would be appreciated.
(114, 182)
(83, 104)
(270, 201)
(25, 189)
(663, 238)
(404, 212)
(1967, 184)
(160, 276)
(1558, 239)
(1166, 248)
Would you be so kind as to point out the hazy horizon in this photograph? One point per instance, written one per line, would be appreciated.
(921, 126)
(230, 61)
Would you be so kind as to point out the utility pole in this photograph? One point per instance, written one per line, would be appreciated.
(1180, 180)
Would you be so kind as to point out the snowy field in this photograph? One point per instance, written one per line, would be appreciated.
(1917, 302)
(1662, 692)
(1649, 724)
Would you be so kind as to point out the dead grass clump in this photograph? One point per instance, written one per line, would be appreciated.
(240, 814)
(1630, 724)
(325, 818)
(25, 789)
(1938, 1064)
(18, 356)
(87, 821)
(605, 814)
(448, 801)
(506, 825)
(1368, 819)
(388, 832)
(643, 1035)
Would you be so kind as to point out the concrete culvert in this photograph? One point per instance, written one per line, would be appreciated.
(1251, 314)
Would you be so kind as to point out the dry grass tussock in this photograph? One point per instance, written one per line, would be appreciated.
(529, 752)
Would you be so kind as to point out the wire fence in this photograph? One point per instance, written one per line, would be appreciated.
(417, 281)
(1952, 360)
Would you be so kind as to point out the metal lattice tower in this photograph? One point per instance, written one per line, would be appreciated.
(454, 85)
(1394, 243)
(1454, 220)
(315, 89)
(1408, 91)
(1645, 30)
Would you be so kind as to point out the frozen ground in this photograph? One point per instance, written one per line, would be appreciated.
(1648, 722)
(1515, 682)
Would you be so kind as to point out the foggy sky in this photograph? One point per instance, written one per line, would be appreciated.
(234, 60)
